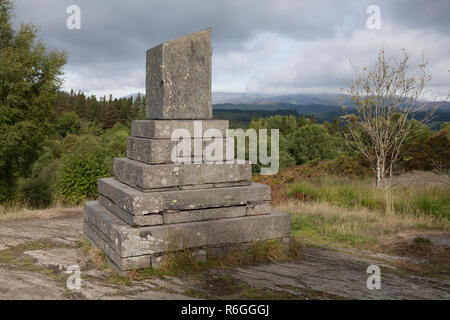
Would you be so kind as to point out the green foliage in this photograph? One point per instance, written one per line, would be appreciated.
(91, 127)
(301, 140)
(445, 126)
(100, 113)
(286, 124)
(44, 168)
(36, 193)
(341, 166)
(82, 164)
(242, 118)
(114, 141)
(85, 159)
(29, 79)
(427, 153)
(68, 123)
(286, 160)
(312, 142)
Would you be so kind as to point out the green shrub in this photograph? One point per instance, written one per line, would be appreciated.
(345, 166)
(36, 193)
(286, 160)
(114, 141)
(77, 179)
(312, 142)
(80, 168)
(68, 123)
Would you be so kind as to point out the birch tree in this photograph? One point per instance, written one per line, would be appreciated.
(385, 98)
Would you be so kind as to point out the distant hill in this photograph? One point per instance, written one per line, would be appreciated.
(312, 103)
(240, 115)
(267, 99)
(241, 118)
(300, 109)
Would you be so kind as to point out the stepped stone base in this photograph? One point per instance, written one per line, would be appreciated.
(162, 129)
(153, 208)
(159, 151)
(136, 248)
(147, 177)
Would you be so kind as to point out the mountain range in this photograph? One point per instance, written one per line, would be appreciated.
(303, 103)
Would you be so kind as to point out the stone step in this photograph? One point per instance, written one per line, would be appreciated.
(158, 151)
(163, 129)
(104, 243)
(138, 203)
(127, 241)
(147, 177)
(172, 216)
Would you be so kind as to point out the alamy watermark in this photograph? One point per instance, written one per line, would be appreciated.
(74, 20)
(74, 280)
(373, 22)
(220, 148)
(374, 281)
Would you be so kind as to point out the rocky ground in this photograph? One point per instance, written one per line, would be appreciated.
(36, 252)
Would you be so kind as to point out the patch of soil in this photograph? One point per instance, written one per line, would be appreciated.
(425, 245)
(220, 285)
(418, 244)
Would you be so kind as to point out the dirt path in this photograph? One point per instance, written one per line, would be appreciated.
(35, 252)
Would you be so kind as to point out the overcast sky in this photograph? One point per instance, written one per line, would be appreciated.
(260, 46)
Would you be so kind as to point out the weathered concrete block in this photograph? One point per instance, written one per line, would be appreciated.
(258, 208)
(121, 264)
(130, 242)
(216, 197)
(162, 129)
(130, 199)
(139, 220)
(204, 214)
(158, 151)
(136, 202)
(175, 216)
(147, 177)
(178, 81)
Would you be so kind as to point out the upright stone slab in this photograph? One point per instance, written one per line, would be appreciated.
(178, 84)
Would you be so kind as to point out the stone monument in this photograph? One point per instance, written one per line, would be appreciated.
(153, 205)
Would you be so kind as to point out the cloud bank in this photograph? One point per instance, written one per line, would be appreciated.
(261, 46)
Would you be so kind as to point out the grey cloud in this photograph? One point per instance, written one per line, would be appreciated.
(115, 34)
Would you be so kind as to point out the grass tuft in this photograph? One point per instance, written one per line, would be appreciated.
(326, 224)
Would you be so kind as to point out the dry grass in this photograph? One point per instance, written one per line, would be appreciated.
(419, 193)
(185, 261)
(421, 179)
(21, 212)
(322, 223)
